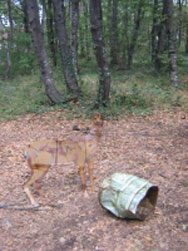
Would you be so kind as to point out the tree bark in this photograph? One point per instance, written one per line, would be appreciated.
(87, 31)
(75, 20)
(154, 31)
(26, 25)
(37, 38)
(134, 35)
(50, 32)
(125, 42)
(114, 33)
(172, 43)
(25, 16)
(43, 2)
(81, 42)
(100, 52)
(179, 22)
(162, 43)
(65, 50)
(10, 34)
(186, 42)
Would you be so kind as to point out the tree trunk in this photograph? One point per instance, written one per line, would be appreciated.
(75, 19)
(125, 42)
(65, 50)
(162, 44)
(172, 43)
(134, 35)
(109, 22)
(43, 14)
(81, 42)
(50, 32)
(186, 42)
(179, 22)
(37, 38)
(25, 16)
(10, 34)
(99, 46)
(87, 32)
(114, 33)
(26, 25)
(154, 31)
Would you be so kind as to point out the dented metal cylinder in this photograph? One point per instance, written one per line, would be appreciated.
(128, 196)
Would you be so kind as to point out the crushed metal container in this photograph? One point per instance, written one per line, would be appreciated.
(128, 196)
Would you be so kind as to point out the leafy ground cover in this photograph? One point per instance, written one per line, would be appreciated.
(152, 147)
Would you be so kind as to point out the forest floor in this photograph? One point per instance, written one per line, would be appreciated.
(153, 147)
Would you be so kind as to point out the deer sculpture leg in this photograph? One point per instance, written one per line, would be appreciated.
(83, 179)
(90, 170)
(37, 174)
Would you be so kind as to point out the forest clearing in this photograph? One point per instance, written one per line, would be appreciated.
(154, 148)
(61, 62)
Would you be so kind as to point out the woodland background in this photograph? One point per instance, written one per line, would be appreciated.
(124, 56)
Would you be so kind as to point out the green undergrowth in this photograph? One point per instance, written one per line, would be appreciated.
(138, 92)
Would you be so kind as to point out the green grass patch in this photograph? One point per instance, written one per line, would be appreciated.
(21, 96)
(131, 92)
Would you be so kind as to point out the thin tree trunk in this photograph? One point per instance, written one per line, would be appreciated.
(10, 34)
(154, 31)
(114, 33)
(125, 37)
(81, 42)
(87, 32)
(65, 50)
(43, 14)
(134, 35)
(25, 16)
(7, 71)
(75, 19)
(26, 25)
(179, 22)
(68, 23)
(50, 32)
(37, 38)
(186, 42)
(162, 44)
(172, 43)
(99, 46)
(109, 21)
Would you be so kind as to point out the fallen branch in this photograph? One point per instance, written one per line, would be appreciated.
(33, 208)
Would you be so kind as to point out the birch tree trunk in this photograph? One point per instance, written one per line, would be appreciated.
(37, 38)
(100, 52)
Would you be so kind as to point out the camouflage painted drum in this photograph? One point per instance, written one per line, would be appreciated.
(128, 196)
